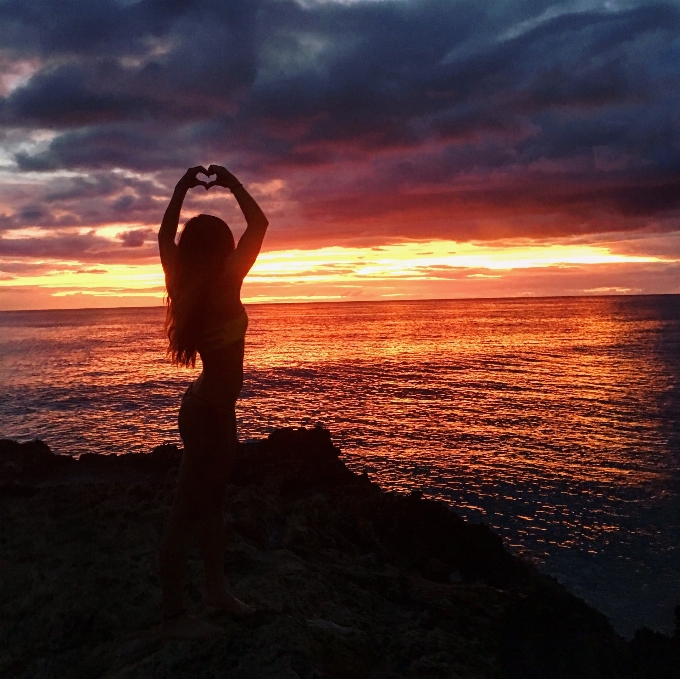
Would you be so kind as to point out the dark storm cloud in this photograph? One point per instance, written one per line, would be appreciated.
(86, 247)
(136, 238)
(75, 201)
(57, 246)
(557, 119)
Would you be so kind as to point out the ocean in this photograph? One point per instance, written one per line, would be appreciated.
(555, 421)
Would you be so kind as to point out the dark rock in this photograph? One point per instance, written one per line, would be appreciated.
(31, 459)
(165, 457)
(549, 633)
(349, 581)
(17, 490)
(300, 459)
(656, 656)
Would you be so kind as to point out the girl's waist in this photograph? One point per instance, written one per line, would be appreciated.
(224, 333)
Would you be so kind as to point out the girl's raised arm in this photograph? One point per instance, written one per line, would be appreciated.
(250, 243)
(168, 230)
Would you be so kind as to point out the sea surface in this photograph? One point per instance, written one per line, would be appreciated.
(556, 421)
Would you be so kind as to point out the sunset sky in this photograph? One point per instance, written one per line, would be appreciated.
(400, 148)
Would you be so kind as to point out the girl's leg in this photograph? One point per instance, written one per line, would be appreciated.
(211, 522)
(184, 515)
(217, 591)
(212, 530)
(212, 543)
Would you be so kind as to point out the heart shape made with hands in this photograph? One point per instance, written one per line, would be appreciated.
(209, 179)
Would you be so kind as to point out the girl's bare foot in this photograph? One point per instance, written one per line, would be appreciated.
(185, 626)
(225, 601)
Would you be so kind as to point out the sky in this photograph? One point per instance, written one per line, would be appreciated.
(400, 148)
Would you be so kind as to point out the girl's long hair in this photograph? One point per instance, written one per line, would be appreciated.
(203, 246)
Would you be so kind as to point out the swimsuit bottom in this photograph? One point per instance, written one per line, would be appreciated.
(206, 426)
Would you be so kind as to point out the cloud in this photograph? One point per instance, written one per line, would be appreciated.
(62, 200)
(409, 119)
(136, 238)
(87, 247)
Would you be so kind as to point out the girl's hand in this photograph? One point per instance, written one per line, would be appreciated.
(189, 180)
(223, 177)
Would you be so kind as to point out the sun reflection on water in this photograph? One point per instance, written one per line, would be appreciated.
(555, 421)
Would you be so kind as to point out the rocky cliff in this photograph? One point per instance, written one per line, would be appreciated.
(349, 581)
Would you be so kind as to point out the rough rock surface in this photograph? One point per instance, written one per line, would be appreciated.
(349, 581)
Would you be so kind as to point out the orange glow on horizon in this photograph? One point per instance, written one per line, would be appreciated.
(332, 270)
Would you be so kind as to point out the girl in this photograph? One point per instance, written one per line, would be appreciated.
(203, 276)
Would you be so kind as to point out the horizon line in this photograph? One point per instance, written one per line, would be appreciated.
(370, 301)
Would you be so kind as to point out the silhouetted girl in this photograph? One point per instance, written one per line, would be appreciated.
(203, 276)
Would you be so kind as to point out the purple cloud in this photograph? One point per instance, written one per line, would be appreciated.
(136, 238)
(391, 120)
